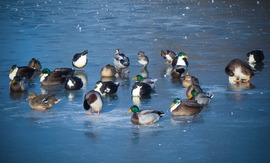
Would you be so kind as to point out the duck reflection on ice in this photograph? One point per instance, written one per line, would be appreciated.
(239, 86)
(82, 75)
(180, 120)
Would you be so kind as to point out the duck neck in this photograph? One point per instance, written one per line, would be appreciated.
(174, 106)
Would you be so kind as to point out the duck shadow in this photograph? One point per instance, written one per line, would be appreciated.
(18, 95)
(72, 94)
(110, 97)
(258, 66)
(237, 87)
(105, 79)
(179, 120)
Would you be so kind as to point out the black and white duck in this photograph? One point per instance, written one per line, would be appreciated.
(73, 83)
(107, 87)
(93, 101)
(255, 56)
(141, 89)
(80, 60)
(168, 55)
(121, 61)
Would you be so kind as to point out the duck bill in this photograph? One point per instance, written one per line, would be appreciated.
(40, 74)
(190, 96)
(33, 64)
(129, 111)
(135, 78)
(11, 71)
(186, 56)
(27, 98)
(13, 81)
(172, 105)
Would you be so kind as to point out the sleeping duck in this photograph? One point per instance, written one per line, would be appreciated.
(184, 108)
(168, 55)
(255, 56)
(105, 88)
(181, 67)
(73, 83)
(108, 71)
(80, 60)
(42, 102)
(193, 87)
(35, 64)
(143, 59)
(240, 69)
(18, 85)
(55, 77)
(190, 80)
(201, 98)
(23, 71)
(141, 89)
(144, 117)
(150, 81)
(93, 101)
(121, 61)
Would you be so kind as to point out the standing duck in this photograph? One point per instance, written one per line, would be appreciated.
(108, 71)
(121, 61)
(141, 89)
(181, 67)
(23, 71)
(193, 87)
(80, 60)
(107, 87)
(35, 64)
(240, 69)
(18, 85)
(93, 101)
(55, 77)
(255, 56)
(201, 98)
(42, 102)
(183, 108)
(143, 59)
(144, 117)
(150, 81)
(190, 80)
(73, 83)
(168, 55)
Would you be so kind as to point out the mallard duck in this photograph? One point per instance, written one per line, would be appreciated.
(255, 56)
(181, 67)
(73, 83)
(201, 98)
(193, 87)
(93, 101)
(55, 77)
(144, 117)
(80, 60)
(141, 89)
(189, 80)
(35, 64)
(42, 102)
(23, 71)
(105, 88)
(150, 81)
(18, 85)
(183, 108)
(121, 61)
(240, 69)
(107, 71)
(143, 59)
(168, 55)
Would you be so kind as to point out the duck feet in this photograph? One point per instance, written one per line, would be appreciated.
(239, 80)
(248, 78)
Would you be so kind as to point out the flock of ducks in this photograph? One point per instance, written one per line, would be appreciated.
(237, 70)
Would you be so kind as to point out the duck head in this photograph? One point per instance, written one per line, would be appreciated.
(194, 93)
(134, 109)
(138, 78)
(117, 51)
(31, 95)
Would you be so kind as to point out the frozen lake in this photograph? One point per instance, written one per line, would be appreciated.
(234, 127)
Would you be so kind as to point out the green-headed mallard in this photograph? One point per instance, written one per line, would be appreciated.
(58, 76)
(240, 69)
(183, 108)
(23, 71)
(190, 80)
(80, 60)
(42, 102)
(93, 101)
(35, 64)
(181, 67)
(108, 71)
(144, 117)
(201, 98)
(193, 87)
(107, 87)
(168, 55)
(121, 61)
(150, 81)
(18, 85)
(143, 59)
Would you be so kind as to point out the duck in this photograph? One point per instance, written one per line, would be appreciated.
(144, 117)
(80, 60)
(185, 108)
(73, 83)
(168, 55)
(121, 61)
(255, 56)
(23, 71)
(108, 71)
(201, 98)
(143, 59)
(93, 101)
(181, 67)
(58, 76)
(240, 69)
(105, 88)
(141, 89)
(190, 80)
(192, 87)
(150, 81)
(18, 85)
(35, 64)
(42, 102)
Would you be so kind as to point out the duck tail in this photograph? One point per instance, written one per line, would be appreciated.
(210, 95)
(58, 100)
(160, 113)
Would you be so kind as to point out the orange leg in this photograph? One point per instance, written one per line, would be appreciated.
(97, 113)
(167, 62)
(248, 78)
(90, 112)
(239, 80)
(127, 71)
(149, 123)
